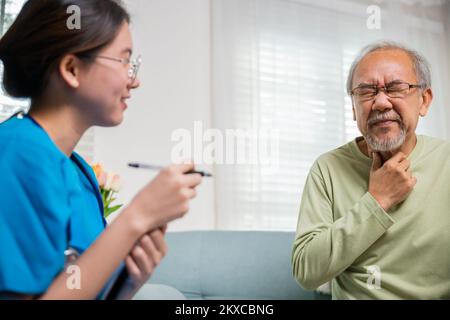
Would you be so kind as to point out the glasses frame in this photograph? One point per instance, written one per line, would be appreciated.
(134, 64)
(385, 89)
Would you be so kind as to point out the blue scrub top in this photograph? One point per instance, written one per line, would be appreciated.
(48, 202)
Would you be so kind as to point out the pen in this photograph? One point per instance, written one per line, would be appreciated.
(153, 167)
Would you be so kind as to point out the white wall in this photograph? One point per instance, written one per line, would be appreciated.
(448, 43)
(173, 37)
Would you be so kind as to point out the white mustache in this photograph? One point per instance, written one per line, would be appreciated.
(387, 116)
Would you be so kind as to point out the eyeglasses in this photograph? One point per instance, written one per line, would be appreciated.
(133, 63)
(395, 89)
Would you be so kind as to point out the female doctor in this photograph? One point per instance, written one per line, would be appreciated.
(49, 197)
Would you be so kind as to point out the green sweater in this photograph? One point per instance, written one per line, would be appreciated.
(343, 233)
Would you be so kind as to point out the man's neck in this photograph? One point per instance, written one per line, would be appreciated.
(62, 124)
(407, 147)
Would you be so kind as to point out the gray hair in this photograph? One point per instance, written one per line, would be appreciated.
(421, 65)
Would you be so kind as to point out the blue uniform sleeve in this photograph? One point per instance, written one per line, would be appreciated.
(34, 215)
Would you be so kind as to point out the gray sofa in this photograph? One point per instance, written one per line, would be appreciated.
(213, 265)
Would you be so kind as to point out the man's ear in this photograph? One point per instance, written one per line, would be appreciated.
(353, 110)
(427, 97)
(69, 69)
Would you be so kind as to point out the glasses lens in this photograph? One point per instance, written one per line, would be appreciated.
(397, 90)
(365, 92)
(135, 64)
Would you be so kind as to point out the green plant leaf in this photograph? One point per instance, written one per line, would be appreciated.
(111, 210)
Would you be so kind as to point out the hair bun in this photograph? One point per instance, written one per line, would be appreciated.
(16, 82)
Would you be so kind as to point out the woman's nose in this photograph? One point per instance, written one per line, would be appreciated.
(136, 83)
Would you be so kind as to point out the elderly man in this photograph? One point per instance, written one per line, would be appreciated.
(375, 213)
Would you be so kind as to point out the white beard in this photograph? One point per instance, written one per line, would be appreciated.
(384, 145)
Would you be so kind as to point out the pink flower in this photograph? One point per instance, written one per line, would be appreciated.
(116, 183)
(109, 180)
(98, 169)
(102, 179)
(109, 184)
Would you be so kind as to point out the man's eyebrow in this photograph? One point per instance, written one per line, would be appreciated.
(365, 84)
(395, 81)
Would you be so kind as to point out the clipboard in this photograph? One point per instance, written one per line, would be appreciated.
(115, 284)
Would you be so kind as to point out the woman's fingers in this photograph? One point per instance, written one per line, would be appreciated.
(133, 269)
(152, 242)
(192, 180)
(158, 240)
(163, 229)
(146, 254)
(143, 260)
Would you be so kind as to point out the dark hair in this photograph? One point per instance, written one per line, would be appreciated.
(39, 38)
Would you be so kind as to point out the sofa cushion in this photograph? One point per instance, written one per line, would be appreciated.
(158, 292)
(231, 265)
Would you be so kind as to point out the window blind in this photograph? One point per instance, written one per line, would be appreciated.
(283, 65)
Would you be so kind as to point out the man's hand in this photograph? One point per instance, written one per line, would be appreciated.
(391, 182)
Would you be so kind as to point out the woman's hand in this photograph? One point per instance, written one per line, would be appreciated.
(146, 255)
(142, 260)
(165, 198)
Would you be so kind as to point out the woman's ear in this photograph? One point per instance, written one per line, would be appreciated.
(69, 69)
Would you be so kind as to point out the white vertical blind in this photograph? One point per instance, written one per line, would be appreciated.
(283, 65)
(9, 106)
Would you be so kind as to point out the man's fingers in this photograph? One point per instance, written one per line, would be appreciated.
(369, 150)
(398, 157)
(409, 172)
(410, 176)
(376, 161)
(404, 165)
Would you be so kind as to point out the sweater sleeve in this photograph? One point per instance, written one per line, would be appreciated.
(324, 248)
